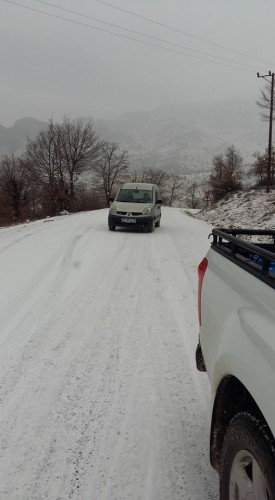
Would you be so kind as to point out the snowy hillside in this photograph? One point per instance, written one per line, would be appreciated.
(187, 136)
(249, 209)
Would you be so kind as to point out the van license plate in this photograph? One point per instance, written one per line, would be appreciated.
(129, 221)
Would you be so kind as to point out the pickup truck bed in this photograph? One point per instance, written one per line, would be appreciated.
(255, 257)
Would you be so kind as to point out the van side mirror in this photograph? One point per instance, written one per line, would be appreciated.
(111, 199)
(159, 202)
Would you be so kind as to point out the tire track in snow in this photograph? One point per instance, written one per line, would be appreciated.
(100, 291)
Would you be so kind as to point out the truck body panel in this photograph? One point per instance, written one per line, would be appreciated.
(237, 331)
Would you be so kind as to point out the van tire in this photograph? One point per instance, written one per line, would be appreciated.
(151, 228)
(112, 228)
(157, 224)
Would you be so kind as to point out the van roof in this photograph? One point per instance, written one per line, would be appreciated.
(139, 185)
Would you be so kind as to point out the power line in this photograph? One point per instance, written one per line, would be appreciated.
(145, 35)
(204, 40)
(127, 37)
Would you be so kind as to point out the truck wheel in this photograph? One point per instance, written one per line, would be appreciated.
(248, 460)
(112, 228)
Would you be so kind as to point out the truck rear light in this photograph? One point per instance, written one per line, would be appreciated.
(201, 272)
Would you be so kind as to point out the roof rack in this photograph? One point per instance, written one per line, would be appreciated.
(255, 257)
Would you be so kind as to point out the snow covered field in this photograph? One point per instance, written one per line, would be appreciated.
(99, 393)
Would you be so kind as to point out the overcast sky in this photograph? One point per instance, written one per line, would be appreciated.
(51, 67)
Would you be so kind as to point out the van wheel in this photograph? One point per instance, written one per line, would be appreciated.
(112, 228)
(151, 228)
(247, 460)
(157, 224)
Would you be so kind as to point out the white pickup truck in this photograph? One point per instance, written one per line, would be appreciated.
(236, 300)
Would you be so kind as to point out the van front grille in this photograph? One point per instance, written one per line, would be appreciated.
(125, 213)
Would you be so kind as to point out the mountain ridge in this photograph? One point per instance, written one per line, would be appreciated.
(184, 137)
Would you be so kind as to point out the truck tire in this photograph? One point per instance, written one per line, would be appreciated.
(247, 461)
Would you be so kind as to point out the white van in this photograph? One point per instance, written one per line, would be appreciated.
(136, 205)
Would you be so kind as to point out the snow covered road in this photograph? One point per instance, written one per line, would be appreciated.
(99, 394)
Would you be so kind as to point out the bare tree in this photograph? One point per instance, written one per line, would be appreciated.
(111, 168)
(12, 183)
(81, 149)
(87, 198)
(154, 176)
(264, 102)
(6, 212)
(260, 167)
(193, 199)
(226, 173)
(57, 158)
(43, 158)
(174, 187)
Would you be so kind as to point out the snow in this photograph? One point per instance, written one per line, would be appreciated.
(252, 209)
(99, 392)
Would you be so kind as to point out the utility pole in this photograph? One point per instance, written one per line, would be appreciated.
(270, 126)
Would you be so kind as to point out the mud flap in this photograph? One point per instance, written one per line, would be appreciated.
(199, 359)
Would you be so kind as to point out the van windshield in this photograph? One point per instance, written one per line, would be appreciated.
(135, 196)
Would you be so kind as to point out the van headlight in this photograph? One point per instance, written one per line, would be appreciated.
(146, 211)
(112, 210)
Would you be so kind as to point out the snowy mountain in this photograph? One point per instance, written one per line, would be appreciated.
(187, 136)
(13, 139)
(181, 138)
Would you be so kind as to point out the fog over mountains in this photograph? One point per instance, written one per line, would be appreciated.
(181, 138)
